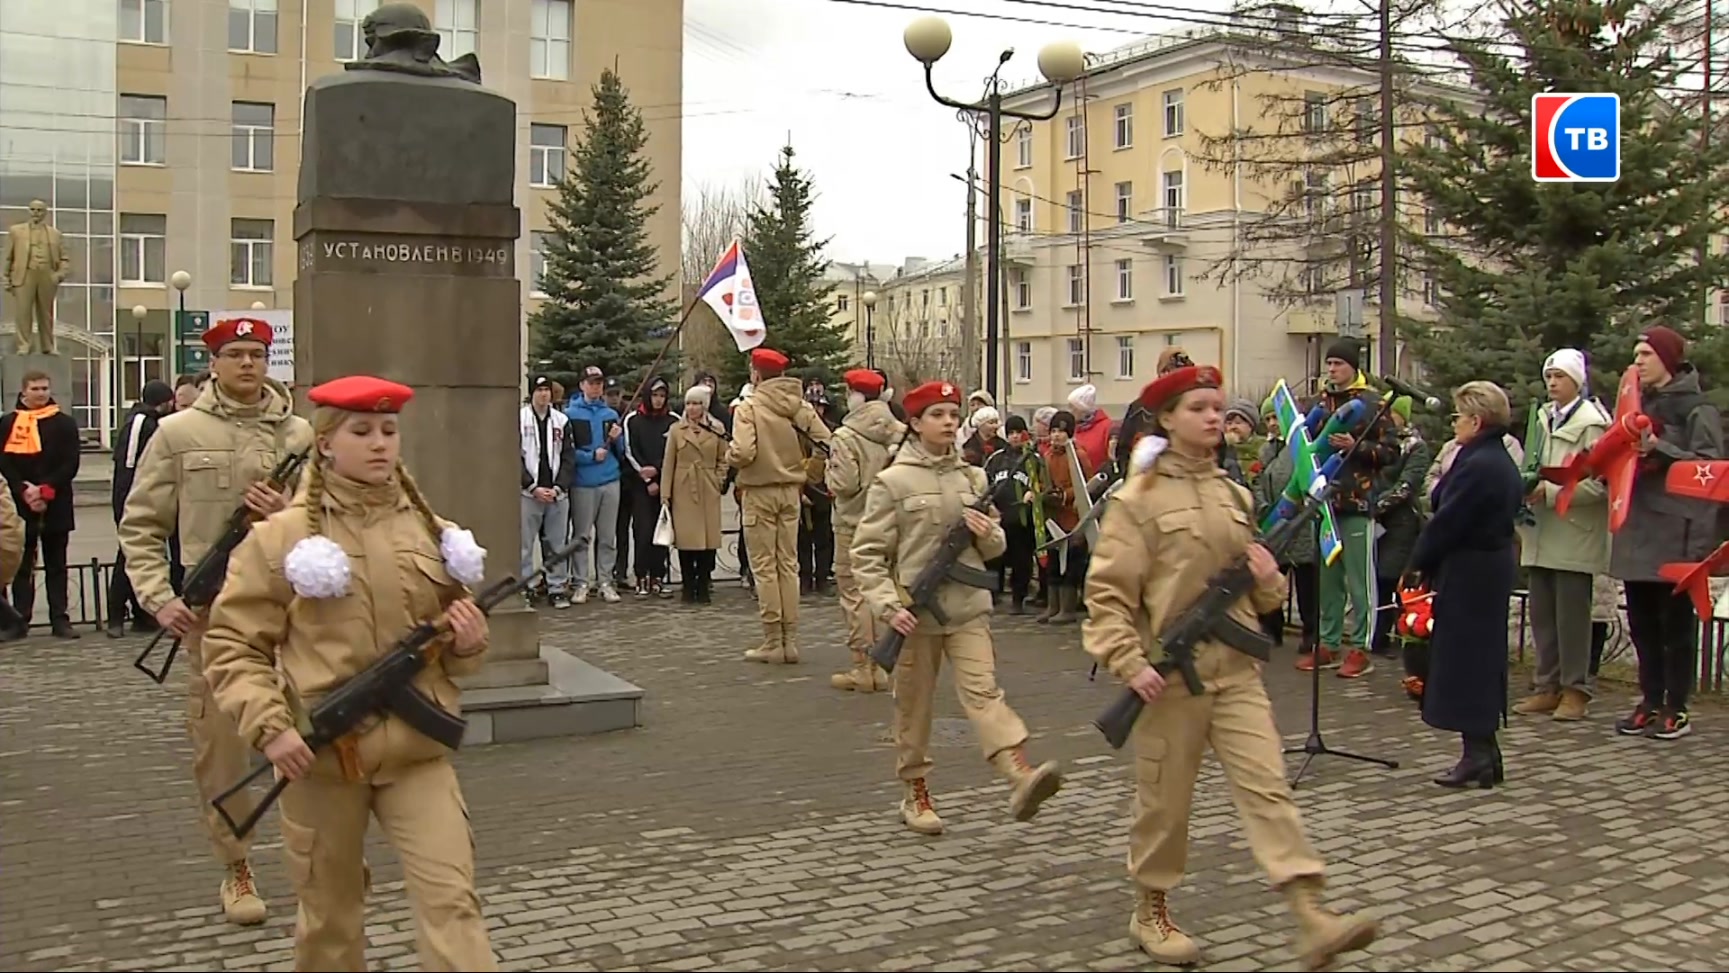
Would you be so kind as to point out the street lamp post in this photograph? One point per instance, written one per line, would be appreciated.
(869, 300)
(139, 313)
(181, 280)
(927, 40)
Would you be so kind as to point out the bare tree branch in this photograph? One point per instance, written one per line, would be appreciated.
(910, 347)
(712, 217)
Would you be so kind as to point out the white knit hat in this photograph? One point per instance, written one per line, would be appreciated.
(1569, 362)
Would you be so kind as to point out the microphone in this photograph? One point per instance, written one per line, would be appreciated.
(1402, 387)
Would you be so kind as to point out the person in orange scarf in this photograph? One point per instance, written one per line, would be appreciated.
(39, 458)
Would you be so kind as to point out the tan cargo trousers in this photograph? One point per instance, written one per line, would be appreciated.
(970, 651)
(420, 807)
(770, 519)
(219, 757)
(860, 626)
(1236, 719)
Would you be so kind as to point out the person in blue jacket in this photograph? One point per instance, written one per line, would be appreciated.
(596, 432)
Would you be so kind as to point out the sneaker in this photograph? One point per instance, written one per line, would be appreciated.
(1672, 726)
(1306, 660)
(609, 594)
(1356, 664)
(580, 595)
(561, 600)
(1638, 723)
(642, 587)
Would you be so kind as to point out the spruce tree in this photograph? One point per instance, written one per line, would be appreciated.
(606, 303)
(1521, 268)
(787, 266)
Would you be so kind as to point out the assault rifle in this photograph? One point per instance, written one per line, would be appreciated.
(385, 686)
(1208, 618)
(204, 581)
(942, 568)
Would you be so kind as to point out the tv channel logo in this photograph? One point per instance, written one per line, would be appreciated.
(1576, 137)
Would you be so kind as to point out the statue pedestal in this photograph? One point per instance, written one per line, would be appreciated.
(406, 269)
(14, 366)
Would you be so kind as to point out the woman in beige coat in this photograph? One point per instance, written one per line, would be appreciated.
(691, 477)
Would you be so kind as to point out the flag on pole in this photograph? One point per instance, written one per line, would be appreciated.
(731, 294)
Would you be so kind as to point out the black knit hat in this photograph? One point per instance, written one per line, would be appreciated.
(1346, 350)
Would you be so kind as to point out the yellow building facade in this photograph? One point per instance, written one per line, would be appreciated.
(1129, 216)
(165, 136)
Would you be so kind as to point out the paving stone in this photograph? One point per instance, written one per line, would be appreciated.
(750, 824)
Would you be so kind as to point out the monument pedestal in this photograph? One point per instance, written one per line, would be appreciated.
(14, 366)
(406, 259)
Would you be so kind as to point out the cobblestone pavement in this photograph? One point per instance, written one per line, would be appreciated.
(750, 825)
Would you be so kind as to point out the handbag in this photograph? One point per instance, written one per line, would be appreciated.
(663, 527)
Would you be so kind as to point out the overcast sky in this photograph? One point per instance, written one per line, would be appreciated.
(837, 78)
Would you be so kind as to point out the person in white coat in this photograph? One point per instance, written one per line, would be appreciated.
(548, 469)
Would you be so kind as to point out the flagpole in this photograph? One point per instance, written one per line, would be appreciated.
(648, 376)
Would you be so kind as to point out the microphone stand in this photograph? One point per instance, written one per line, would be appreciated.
(1315, 745)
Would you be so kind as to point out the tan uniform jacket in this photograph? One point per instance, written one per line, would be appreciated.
(862, 448)
(192, 476)
(690, 480)
(1164, 534)
(908, 513)
(258, 622)
(765, 449)
(11, 536)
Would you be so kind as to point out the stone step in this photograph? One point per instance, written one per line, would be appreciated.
(576, 699)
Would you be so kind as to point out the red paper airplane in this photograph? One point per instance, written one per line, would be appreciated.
(1700, 479)
(1694, 579)
(1613, 457)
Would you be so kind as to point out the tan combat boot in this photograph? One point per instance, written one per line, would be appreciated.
(1574, 705)
(1152, 929)
(860, 678)
(1537, 703)
(241, 903)
(770, 650)
(1030, 786)
(789, 642)
(1323, 935)
(917, 810)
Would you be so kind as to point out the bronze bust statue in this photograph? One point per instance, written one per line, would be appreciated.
(400, 38)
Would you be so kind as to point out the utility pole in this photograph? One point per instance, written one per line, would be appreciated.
(970, 363)
(1389, 343)
(1705, 209)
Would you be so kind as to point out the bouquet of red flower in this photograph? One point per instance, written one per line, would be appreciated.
(1415, 626)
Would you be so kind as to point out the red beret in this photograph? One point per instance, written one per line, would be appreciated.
(864, 381)
(237, 329)
(1167, 387)
(929, 394)
(768, 361)
(361, 393)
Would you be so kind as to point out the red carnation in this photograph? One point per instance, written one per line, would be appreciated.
(46, 492)
(1255, 467)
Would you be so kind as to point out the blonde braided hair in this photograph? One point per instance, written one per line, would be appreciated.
(325, 421)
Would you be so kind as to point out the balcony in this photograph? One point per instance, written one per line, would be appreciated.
(1164, 226)
(1017, 246)
(1316, 316)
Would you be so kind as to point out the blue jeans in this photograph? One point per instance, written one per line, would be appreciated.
(548, 523)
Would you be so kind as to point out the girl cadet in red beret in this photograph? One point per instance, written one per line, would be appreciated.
(317, 592)
(908, 512)
(1176, 522)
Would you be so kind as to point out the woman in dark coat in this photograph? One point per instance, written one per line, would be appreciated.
(1466, 555)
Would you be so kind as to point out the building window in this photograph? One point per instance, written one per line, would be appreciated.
(842, 302)
(144, 21)
(546, 151)
(1431, 290)
(252, 26)
(249, 252)
(1077, 215)
(1024, 146)
(1125, 200)
(1174, 198)
(143, 130)
(1125, 279)
(254, 129)
(1023, 288)
(1023, 216)
(1125, 117)
(1431, 222)
(143, 248)
(1023, 361)
(458, 27)
(1314, 112)
(1077, 136)
(1173, 275)
(1077, 361)
(549, 46)
(350, 43)
(1077, 285)
(1173, 112)
(1125, 356)
(537, 240)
